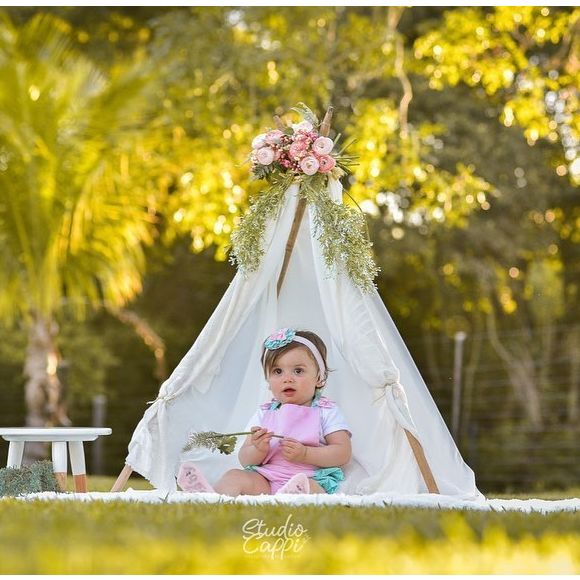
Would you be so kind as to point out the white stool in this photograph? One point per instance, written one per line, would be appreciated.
(59, 437)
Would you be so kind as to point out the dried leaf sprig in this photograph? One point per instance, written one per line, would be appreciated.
(223, 442)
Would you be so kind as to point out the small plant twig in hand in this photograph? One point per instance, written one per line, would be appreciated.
(222, 442)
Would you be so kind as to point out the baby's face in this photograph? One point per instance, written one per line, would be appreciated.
(294, 377)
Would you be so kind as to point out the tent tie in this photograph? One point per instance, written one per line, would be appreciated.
(163, 398)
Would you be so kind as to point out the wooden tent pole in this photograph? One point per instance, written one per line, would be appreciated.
(124, 476)
(422, 462)
(301, 207)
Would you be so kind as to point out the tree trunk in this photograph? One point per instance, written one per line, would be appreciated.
(519, 363)
(470, 371)
(548, 334)
(45, 404)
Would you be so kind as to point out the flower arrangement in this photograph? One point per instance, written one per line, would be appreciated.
(299, 151)
(302, 154)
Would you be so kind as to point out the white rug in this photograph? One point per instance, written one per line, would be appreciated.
(432, 501)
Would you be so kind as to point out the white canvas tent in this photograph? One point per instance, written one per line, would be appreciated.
(400, 441)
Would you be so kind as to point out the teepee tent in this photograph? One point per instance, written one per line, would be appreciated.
(400, 441)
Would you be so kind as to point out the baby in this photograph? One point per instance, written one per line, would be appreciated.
(315, 440)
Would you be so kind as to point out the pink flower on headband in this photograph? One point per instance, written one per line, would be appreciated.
(279, 338)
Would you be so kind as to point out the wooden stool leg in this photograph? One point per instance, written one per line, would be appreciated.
(77, 462)
(122, 479)
(15, 451)
(59, 463)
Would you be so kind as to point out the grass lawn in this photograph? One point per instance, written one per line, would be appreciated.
(121, 538)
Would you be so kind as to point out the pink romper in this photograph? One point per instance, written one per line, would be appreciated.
(299, 422)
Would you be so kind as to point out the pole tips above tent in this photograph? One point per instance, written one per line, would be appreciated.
(325, 126)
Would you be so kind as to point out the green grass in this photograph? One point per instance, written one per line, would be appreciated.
(104, 483)
(72, 537)
(116, 538)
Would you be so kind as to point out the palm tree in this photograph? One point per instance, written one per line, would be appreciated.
(75, 212)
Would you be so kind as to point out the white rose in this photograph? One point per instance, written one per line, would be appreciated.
(304, 126)
(323, 145)
(265, 155)
(309, 165)
(259, 141)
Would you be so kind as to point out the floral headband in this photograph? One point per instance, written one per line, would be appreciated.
(285, 336)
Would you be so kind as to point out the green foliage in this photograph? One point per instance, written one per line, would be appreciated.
(28, 479)
(341, 231)
(74, 221)
(88, 359)
(339, 228)
(523, 55)
(223, 442)
(306, 114)
(405, 173)
(247, 240)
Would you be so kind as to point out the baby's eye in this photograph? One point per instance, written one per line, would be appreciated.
(299, 371)
(277, 371)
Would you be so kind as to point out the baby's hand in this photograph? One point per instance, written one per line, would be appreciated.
(293, 450)
(260, 438)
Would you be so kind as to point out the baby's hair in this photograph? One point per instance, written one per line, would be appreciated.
(271, 356)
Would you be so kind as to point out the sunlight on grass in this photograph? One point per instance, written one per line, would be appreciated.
(123, 537)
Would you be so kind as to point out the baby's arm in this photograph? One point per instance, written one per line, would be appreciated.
(255, 447)
(337, 452)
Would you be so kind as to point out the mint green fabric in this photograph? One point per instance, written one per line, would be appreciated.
(329, 478)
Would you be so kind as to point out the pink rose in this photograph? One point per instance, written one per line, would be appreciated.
(279, 334)
(327, 163)
(323, 145)
(274, 137)
(259, 141)
(265, 155)
(296, 149)
(309, 165)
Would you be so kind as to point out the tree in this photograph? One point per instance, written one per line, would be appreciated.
(526, 57)
(75, 215)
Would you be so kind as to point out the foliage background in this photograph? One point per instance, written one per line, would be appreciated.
(469, 189)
